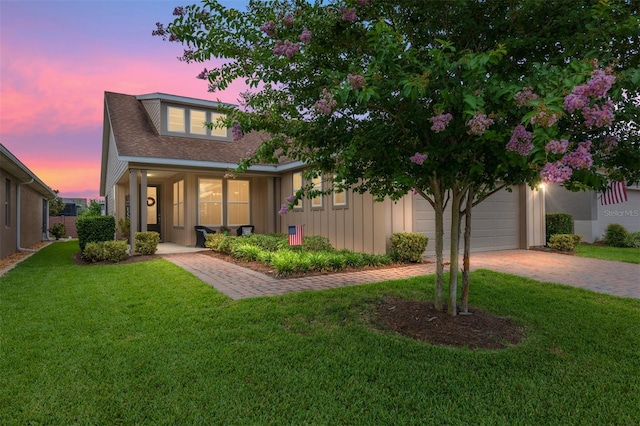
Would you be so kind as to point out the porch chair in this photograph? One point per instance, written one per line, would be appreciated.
(245, 230)
(201, 234)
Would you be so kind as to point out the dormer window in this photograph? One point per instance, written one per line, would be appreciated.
(190, 122)
(175, 119)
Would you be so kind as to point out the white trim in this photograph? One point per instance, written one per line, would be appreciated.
(210, 164)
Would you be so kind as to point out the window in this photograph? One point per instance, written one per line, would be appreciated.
(339, 198)
(215, 119)
(7, 203)
(175, 122)
(210, 202)
(297, 184)
(316, 202)
(238, 202)
(178, 203)
(198, 118)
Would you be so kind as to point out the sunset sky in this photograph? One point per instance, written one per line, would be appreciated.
(57, 58)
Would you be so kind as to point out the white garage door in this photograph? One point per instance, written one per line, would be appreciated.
(495, 222)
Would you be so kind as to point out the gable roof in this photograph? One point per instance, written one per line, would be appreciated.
(15, 167)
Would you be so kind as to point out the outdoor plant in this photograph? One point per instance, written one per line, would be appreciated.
(58, 230)
(213, 241)
(146, 242)
(95, 229)
(564, 242)
(558, 223)
(124, 225)
(632, 239)
(115, 251)
(93, 252)
(451, 102)
(615, 235)
(408, 246)
(316, 243)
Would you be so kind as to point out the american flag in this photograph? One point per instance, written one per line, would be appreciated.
(616, 193)
(295, 235)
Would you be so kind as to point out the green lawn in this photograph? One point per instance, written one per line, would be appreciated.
(147, 343)
(621, 254)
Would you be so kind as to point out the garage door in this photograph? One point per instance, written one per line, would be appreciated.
(495, 222)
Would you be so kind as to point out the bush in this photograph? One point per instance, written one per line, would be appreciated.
(564, 242)
(58, 230)
(615, 235)
(93, 252)
(316, 243)
(213, 241)
(632, 239)
(558, 223)
(95, 229)
(146, 242)
(115, 251)
(408, 247)
(268, 242)
(248, 252)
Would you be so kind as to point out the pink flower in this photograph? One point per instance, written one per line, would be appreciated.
(356, 81)
(290, 198)
(598, 116)
(269, 28)
(204, 75)
(524, 96)
(580, 158)
(479, 124)
(574, 102)
(418, 158)
(326, 104)
(287, 21)
(557, 147)
(236, 131)
(348, 14)
(555, 173)
(283, 210)
(440, 122)
(305, 36)
(520, 141)
(286, 48)
(544, 118)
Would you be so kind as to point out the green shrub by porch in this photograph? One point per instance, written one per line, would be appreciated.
(113, 251)
(408, 246)
(95, 229)
(564, 242)
(558, 223)
(615, 235)
(146, 242)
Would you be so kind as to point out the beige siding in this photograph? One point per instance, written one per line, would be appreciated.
(8, 237)
(153, 110)
(362, 226)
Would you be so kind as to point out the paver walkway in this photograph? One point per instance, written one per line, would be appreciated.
(616, 278)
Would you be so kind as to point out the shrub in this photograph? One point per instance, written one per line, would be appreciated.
(564, 242)
(146, 242)
(248, 252)
(58, 230)
(115, 251)
(226, 244)
(316, 243)
(213, 241)
(632, 239)
(408, 246)
(93, 252)
(558, 223)
(95, 229)
(615, 235)
(283, 262)
(269, 242)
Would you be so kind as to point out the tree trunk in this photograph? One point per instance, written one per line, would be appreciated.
(464, 302)
(438, 207)
(456, 219)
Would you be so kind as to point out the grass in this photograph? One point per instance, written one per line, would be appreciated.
(147, 343)
(620, 254)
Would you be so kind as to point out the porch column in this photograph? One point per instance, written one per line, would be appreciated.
(535, 217)
(134, 206)
(143, 201)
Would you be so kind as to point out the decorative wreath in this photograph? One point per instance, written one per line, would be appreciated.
(151, 201)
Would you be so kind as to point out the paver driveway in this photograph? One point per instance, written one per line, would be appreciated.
(616, 278)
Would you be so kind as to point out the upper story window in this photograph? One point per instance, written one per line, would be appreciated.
(191, 122)
(198, 118)
(175, 119)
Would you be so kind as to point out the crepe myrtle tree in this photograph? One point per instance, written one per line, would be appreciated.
(357, 91)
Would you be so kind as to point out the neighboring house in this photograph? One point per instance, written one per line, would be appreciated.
(25, 210)
(168, 173)
(592, 212)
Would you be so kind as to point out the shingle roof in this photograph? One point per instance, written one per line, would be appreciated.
(136, 136)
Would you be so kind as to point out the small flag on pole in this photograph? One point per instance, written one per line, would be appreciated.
(295, 235)
(616, 193)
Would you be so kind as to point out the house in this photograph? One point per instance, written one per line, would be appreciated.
(167, 172)
(592, 212)
(25, 211)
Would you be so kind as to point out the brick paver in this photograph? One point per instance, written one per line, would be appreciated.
(616, 278)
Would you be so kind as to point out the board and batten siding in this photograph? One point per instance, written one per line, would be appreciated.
(116, 168)
(364, 225)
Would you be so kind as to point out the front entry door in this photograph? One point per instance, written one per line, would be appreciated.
(154, 210)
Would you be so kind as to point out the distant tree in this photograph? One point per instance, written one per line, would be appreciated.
(93, 209)
(55, 204)
(452, 100)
